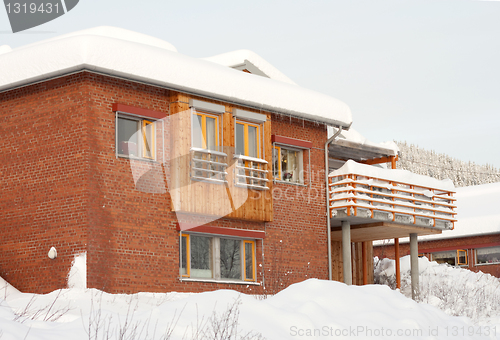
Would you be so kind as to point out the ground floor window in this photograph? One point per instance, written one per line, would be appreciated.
(488, 255)
(452, 257)
(219, 258)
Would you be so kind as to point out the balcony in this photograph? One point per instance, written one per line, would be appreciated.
(208, 165)
(366, 195)
(251, 173)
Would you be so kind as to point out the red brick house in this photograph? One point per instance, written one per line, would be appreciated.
(176, 173)
(473, 244)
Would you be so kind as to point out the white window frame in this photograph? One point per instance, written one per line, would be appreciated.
(215, 259)
(486, 263)
(140, 144)
(279, 146)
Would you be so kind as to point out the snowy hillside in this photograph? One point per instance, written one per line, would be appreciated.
(442, 166)
(313, 309)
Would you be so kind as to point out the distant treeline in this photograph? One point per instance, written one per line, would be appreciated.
(442, 166)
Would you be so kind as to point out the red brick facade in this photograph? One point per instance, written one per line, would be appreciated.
(63, 186)
(470, 244)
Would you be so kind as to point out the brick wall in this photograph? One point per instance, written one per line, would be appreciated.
(63, 186)
(44, 192)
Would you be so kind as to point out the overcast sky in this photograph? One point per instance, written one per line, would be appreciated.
(425, 72)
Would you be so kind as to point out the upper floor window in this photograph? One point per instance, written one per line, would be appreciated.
(248, 139)
(135, 137)
(288, 159)
(205, 131)
(138, 131)
(288, 164)
(206, 124)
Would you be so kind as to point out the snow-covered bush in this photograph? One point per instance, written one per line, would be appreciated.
(456, 291)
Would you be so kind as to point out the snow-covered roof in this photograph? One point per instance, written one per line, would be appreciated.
(122, 53)
(395, 175)
(251, 61)
(350, 144)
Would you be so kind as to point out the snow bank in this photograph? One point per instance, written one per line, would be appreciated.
(397, 175)
(161, 66)
(311, 309)
(454, 290)
(77, 276)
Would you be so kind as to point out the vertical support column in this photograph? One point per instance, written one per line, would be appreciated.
(415, 288)
(364, 261)
(398, 265)
(346, 252)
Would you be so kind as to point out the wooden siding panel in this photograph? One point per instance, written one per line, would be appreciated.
(212, 199)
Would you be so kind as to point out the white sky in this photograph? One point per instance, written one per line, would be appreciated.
(424, 71)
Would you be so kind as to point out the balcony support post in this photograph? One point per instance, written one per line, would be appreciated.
(397, 262)
(364, 258)
(415, 288)
(346, 252)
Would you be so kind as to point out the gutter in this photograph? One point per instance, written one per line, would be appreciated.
(328, 226)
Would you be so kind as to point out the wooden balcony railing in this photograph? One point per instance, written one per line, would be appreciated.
(251, 173)
(208, 165)
(369, 197)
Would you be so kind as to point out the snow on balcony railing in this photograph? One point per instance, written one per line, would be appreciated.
(251, 172)
(208, 165)
(364, 191)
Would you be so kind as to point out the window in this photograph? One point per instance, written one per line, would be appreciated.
(452, 257)
(248, 139)
(287, 164)
(135, 137)
(219, 258)
(488, 255)
(205, 131)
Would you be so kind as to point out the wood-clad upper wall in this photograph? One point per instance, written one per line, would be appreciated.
(214, 199)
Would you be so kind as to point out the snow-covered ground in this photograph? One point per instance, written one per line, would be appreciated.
(313, 309)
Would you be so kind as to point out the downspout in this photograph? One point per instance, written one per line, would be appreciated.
(328, 231)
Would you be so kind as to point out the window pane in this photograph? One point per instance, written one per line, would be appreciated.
(276, 165)
(127, 137)
(201, 260)
(197, 134)
(148, 139)
(184, 255)
(289, 165)
(240, 139)
(210, 133)
(230, 261)
(445, 257)
(488, 255)
(249, 270)
(252, 141)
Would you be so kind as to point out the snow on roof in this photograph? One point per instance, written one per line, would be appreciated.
(397, 175)
(242, 58)
(355, 137)
(5, 49)
(120, 53)
(115, 33)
